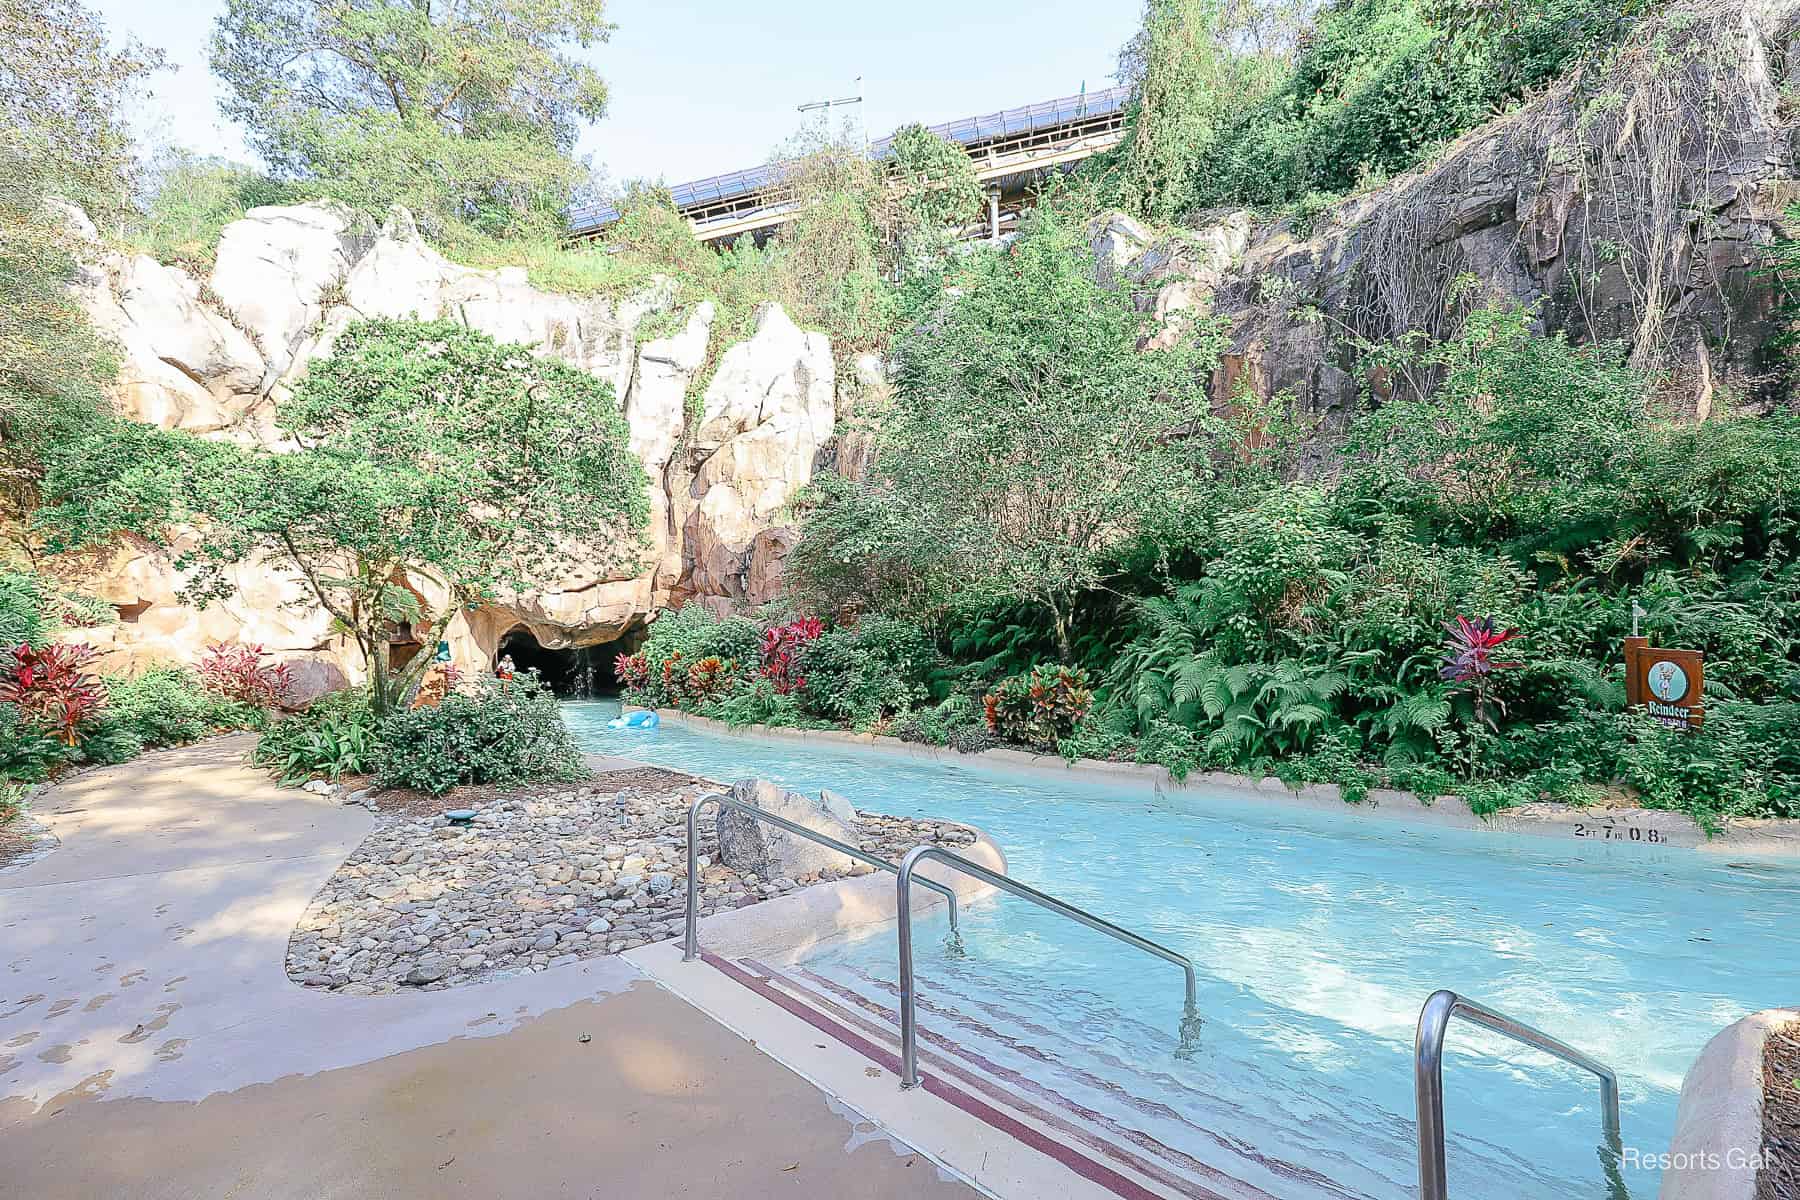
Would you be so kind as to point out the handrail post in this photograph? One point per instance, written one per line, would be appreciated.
(690, 947)
(1191, 1022)
(909, 1020)
(1428, 1092)
(1428, 1078)
(691, 940)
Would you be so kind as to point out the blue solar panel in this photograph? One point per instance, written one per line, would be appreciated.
(969, 131)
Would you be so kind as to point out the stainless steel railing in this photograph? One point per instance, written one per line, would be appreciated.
(691, 946)
(909, 1025)
(1428, 1077)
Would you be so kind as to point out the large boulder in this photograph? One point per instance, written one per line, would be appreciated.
(183, 364)
(656, 403)
(864, 393)
(759, 848)
(781, 378)
(400, 275)
(1117, 241)
(269, 606)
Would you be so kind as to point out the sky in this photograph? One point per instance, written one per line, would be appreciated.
(701, 87)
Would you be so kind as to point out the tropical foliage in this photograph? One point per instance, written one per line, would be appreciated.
(491, 732)
(967, 495)
(467, 111)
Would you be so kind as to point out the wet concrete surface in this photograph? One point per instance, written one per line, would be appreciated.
(145, 956)
(152, 1045)
(659, 1101)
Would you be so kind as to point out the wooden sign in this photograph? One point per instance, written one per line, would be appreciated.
(1666, 683)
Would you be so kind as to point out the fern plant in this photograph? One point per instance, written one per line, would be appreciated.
(1405, 723)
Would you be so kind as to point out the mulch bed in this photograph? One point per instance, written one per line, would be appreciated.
(1779, 1178)
(20, 838)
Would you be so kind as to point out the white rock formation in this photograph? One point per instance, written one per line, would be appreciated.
(274, 267)
(215, 358)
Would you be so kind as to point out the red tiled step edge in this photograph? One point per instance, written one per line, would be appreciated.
(1077, 1162)
(1122, 1150)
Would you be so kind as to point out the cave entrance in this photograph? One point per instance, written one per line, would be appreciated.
(578, 673)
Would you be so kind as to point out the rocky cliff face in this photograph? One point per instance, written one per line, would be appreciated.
(1629, 203)
(213, 357)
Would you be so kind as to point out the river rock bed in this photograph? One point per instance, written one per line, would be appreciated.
(540, 878)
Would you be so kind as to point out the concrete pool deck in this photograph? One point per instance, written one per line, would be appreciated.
(151, 1043)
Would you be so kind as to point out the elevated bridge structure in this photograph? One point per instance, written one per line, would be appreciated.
(1012, 150)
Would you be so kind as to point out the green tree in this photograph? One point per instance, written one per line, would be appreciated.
(1194, 68)
(937, 192)
(466, 110)
(830, 261)
(435, 469)
(1031, 439)
(62, 90)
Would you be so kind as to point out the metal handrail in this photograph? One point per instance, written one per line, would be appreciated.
(1428, 1077)
(691, 946)
(909, 1032)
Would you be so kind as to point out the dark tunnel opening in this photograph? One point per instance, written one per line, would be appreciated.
(576, 673)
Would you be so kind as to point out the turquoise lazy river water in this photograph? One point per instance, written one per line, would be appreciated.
(1317, 938)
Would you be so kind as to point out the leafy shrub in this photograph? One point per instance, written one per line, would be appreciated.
(862, 673)
(971, 739)
(497, 733)
(334, 737)
(1104, 732)
(110, 742)
(1380, 85)
(939, 724)
(710, 678)
(22, 617)
(1173, 746)
(53, 688)
(12, 798)
(926, 728)
(660, 674)
(169, 706)
(632, 672)
(238, 672)
(757, 701)
(27, 752)
(1039, 708)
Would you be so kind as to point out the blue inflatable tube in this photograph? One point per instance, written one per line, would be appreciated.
(637, 720)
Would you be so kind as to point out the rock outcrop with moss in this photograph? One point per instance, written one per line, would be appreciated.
(1630, 203)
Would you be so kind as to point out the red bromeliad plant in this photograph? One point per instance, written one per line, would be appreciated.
(53, 688)
(1469, 660)
(238, 672)
(780, 648)
(674, 678)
